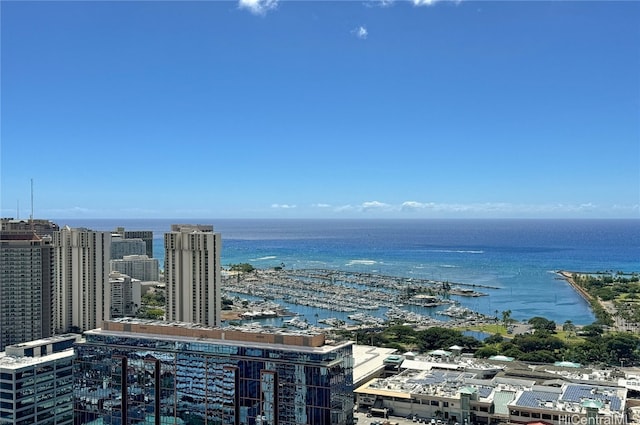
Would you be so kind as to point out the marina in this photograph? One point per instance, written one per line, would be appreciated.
(335, 299)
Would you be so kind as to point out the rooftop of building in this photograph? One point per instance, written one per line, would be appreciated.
(368, 361)
(9, 363)
(136, 257)
(45, 341)
(539, 373)
(421, 379)
(192, 228)
(246, 335)
(14, 359)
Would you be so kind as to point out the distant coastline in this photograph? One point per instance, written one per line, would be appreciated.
(520, 257)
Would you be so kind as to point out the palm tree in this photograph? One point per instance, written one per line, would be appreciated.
(506, 317)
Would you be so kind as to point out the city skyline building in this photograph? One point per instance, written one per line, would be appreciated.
(125, 295)
(36, 382)
(26, 286)
(192, 274)
(81, 267)
(40, 227)
(139, 267)
(121, 247)
(145, 235)
(143, 371)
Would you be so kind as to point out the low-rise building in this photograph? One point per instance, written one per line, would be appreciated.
(454, 392)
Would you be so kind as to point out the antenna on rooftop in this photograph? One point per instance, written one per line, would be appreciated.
(31, 217)
(18, 210)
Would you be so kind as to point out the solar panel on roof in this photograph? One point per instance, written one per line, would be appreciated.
(484, 391)
(616, 403)
(535, 398)
(577, 393)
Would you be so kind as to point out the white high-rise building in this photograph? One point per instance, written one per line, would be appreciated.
(81, 279)
(125, 295)
(138, 267)
(192, 274)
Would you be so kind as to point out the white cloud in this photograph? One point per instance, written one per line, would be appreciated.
(431, 2)
(430, 209)
(360, 32)
(258, 7)
(630, 208)
(375, 205)
(413, 205)
(485, 209)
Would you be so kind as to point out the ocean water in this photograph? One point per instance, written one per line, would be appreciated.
(517, 257)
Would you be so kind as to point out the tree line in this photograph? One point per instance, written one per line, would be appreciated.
(590, 346)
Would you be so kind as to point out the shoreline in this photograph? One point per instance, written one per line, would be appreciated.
(568, 277)
(608, 309)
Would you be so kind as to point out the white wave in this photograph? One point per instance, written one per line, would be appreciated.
(362, 262)
(458, 251)
(268, 257)
(449, 266)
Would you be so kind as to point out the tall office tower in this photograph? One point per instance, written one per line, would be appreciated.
(135, 371)
(192, 274)
(81, 279)
(145, 235)
(36, 379)
(138, 267)
(121, 247)
(26, 287)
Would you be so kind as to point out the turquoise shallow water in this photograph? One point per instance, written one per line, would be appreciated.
(517, 256)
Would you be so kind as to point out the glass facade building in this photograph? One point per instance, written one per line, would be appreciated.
(36, 382)
(144, 372)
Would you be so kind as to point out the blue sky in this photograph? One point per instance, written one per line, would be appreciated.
(258, 109)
